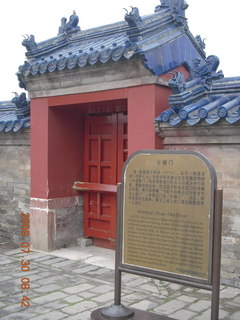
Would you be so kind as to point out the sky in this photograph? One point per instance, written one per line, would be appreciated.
(215, 20)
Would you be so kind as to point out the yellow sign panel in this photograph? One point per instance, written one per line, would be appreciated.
(167, 205)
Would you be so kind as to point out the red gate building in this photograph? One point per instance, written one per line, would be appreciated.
(99, 95)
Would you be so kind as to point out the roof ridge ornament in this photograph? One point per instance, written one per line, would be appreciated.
(206, 70)
(177, 83)
(134, 20)
(177, 8)
(29, 42)
(70, 26)
(201, 42)
(22, 105)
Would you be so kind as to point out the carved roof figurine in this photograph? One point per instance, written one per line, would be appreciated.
(29, 42)
(206, 70)
(177, 8)
(62, 26)
(22, 105)
(70, 26)
(134, 20)
(200, 42)
(177, 83)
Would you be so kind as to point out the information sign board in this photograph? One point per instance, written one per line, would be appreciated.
(167, 220)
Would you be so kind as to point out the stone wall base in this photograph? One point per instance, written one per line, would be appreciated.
(55, 223)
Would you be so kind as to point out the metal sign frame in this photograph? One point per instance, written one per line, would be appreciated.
(117, 311)
(159, 274)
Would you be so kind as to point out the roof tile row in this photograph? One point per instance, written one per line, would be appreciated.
(188, 108)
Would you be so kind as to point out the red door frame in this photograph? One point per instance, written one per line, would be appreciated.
(57, 151)
(49, 179)
(57, 146)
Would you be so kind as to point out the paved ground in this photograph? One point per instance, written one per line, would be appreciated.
(69, 284)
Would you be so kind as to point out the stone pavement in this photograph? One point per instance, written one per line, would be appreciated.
(70, 283)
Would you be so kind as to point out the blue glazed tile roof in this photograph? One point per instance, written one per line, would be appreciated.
(199, 105)
(10, 118)
(161, 41)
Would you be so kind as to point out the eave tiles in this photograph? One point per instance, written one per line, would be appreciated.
(222, 101)
(12, 119)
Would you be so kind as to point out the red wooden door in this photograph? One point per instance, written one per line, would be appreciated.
(105, 153)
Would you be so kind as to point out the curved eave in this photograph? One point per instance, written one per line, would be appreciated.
(14, 125)
(77, 60)
(207, 111)
(170, 54)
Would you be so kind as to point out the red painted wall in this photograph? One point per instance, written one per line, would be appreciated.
(65, 151)
(56, 150)
(39, 148)
(76, 99)
(145, 103)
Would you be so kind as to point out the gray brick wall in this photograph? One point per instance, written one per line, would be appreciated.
(221, 145)
(14, 182)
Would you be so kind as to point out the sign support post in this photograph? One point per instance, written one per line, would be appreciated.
(217, 254)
